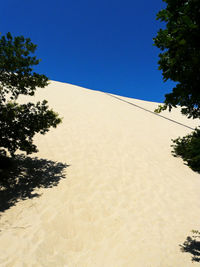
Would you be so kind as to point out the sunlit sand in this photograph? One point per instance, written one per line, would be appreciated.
(123, 200)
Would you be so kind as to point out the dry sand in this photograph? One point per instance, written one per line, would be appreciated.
(125, 200)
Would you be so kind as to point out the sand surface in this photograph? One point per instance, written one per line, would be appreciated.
(123, 201)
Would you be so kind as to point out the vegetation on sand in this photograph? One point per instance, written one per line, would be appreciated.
(180, 62)
(20, 122)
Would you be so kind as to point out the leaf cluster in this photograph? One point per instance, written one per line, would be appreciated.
(188, 147)
(180, 57)
(16, 68)
(20, 122)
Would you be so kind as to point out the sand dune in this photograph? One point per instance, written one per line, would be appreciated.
(125, 201)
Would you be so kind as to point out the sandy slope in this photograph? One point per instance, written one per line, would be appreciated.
(125, 200)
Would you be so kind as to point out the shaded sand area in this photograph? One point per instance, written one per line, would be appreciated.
(121, 200)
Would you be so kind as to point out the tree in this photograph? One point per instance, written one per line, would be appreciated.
(20, 122)
(180, 59)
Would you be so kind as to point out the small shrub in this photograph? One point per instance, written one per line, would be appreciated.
(188, 147)
(192, 246)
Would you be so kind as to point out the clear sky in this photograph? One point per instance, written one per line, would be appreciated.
(102, 45)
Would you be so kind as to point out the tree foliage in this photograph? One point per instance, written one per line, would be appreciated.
(188, 147)
(180, 62)
(20, 122)
(180, 57)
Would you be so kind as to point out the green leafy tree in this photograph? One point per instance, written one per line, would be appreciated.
(180, 62)
(20, 122)
(180, 57)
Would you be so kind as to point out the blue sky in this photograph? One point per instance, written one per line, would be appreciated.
(101, 45)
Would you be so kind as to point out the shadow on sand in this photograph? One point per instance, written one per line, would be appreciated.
(26, 174)
(192, 246)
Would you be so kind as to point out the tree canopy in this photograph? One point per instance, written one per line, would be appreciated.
(180, 57)
(180, 62)
(20, 122)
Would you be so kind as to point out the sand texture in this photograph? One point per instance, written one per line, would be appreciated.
(121, 200)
